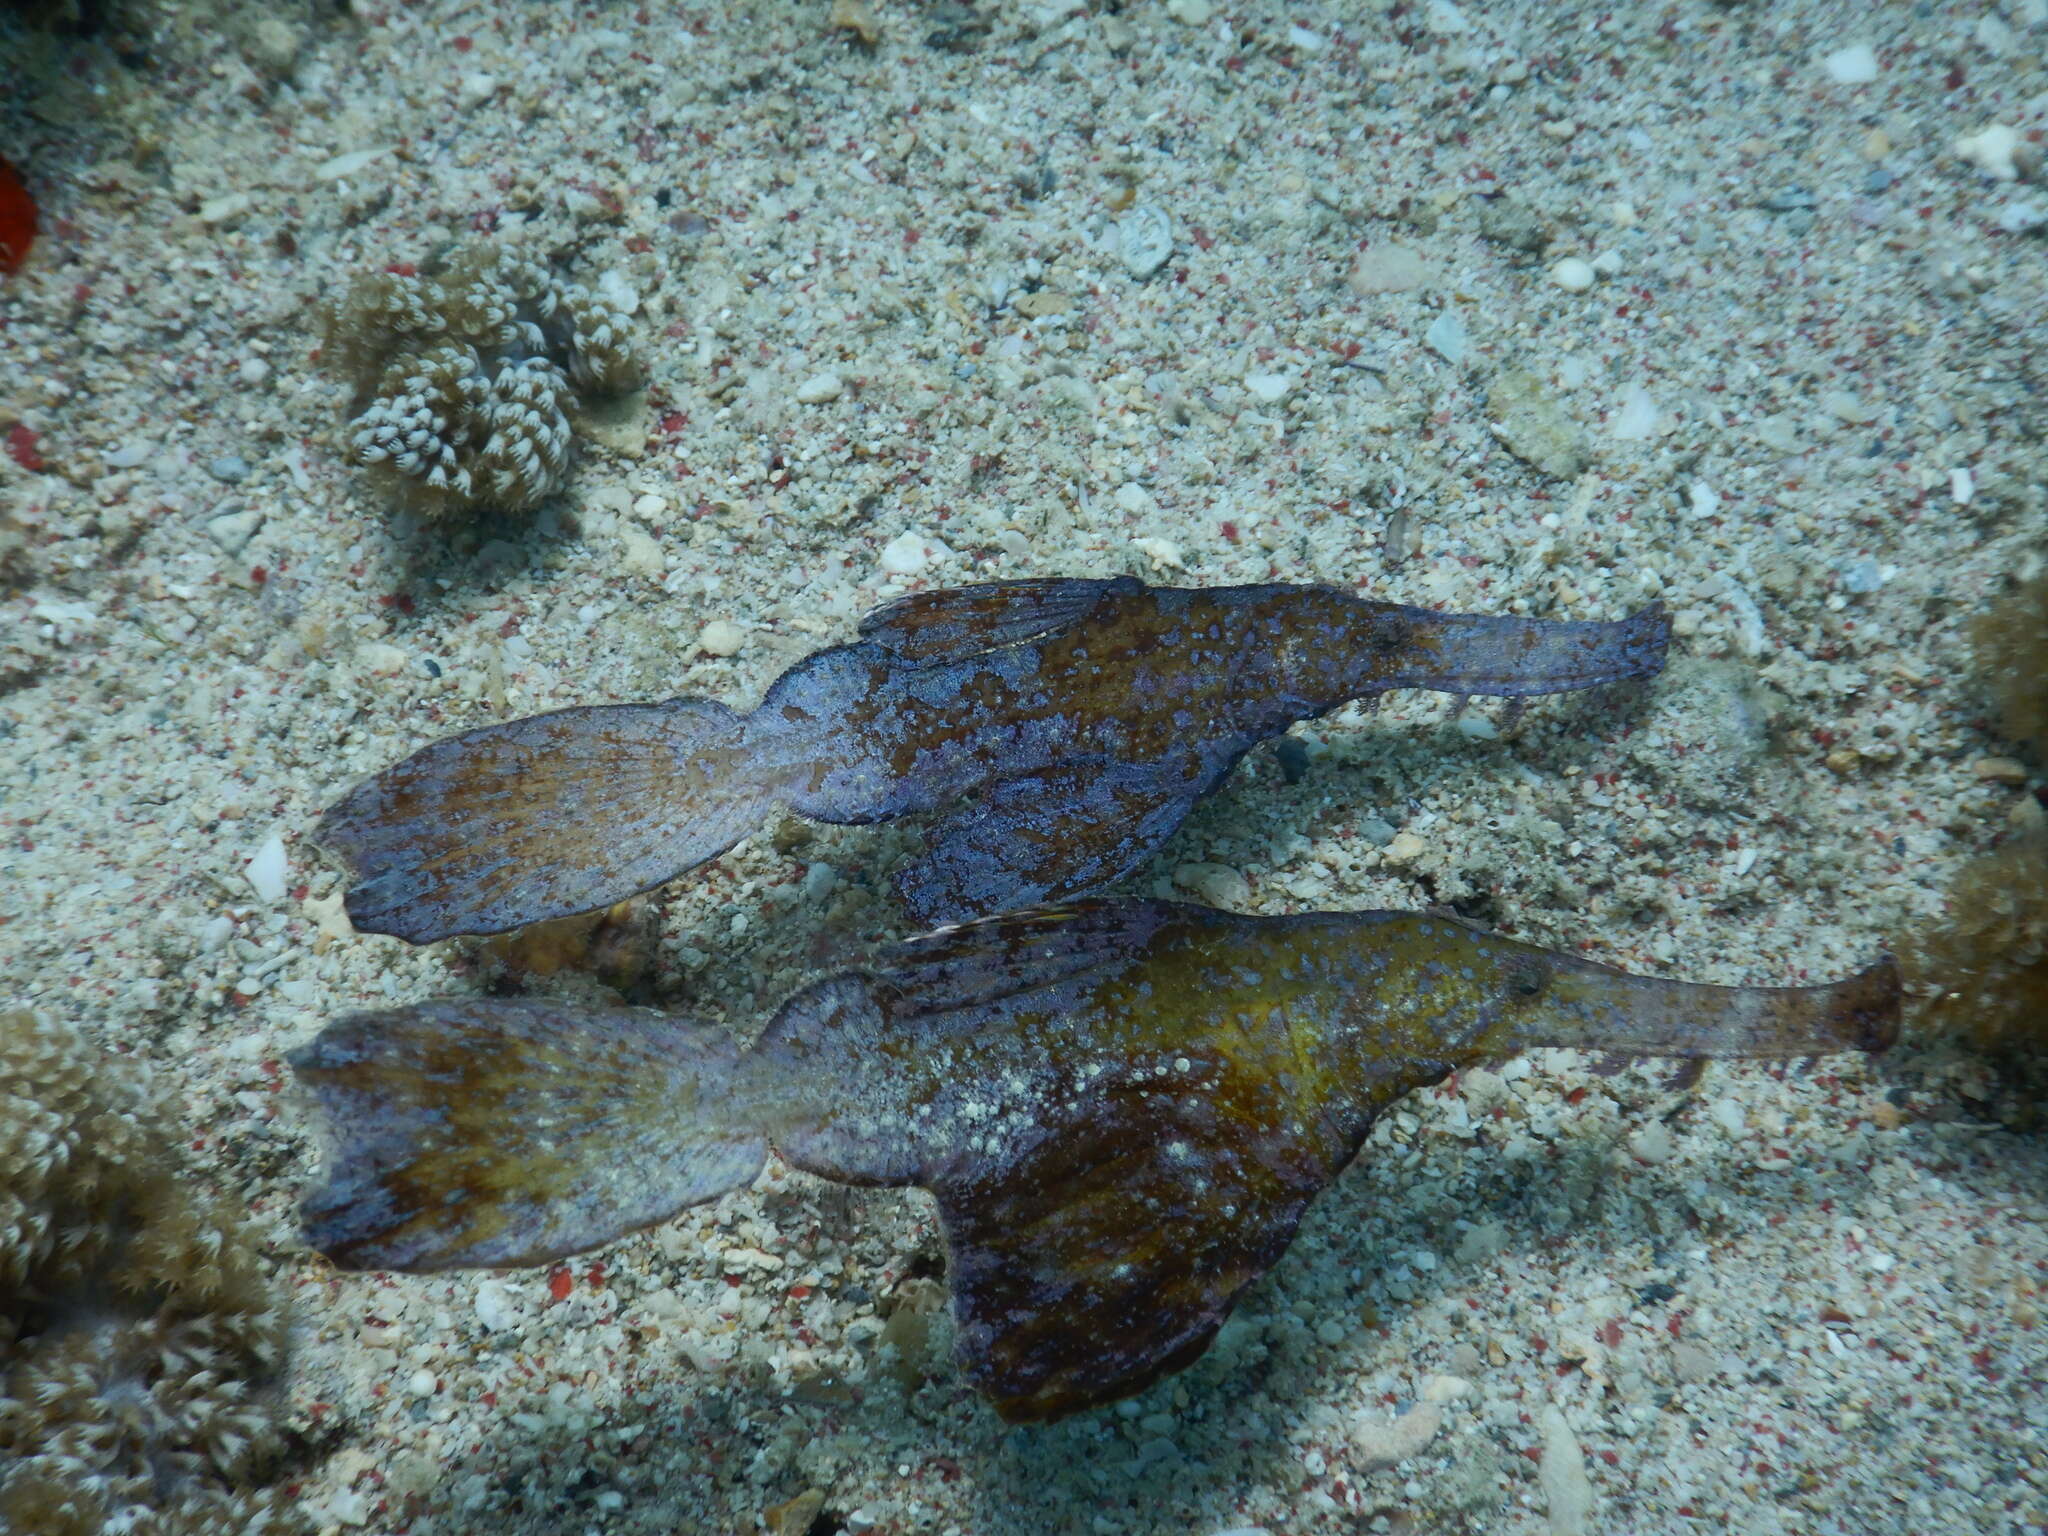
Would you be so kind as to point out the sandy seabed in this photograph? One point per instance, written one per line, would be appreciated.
(1548, 309)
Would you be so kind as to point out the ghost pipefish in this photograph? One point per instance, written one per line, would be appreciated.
(1061, 729)
(1122, 1107)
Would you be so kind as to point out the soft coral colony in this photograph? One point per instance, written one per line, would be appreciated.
(464, 380)
(140, 1342)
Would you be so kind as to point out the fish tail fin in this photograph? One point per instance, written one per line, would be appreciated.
(477, 1132)
(1592, 1007)
(546, 817)
(1505, 655)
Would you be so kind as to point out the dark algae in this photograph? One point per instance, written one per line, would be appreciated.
(1057, 731)
(1123, 1108)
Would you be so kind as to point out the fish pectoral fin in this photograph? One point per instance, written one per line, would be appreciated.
(958, 622)
(1108, 1256)
(476, 1132)
(1065, 830)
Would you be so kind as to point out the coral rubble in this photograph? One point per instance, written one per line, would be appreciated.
(1987, 965)
(139, 1339)
(2012, 652)
(464, 380)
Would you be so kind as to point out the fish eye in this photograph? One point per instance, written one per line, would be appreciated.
(1526, 982)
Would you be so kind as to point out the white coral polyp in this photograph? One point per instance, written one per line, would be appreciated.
(478, 368)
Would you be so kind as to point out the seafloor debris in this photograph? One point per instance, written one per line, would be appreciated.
(1987, 965)
(140, 1343)
(464, 380)
(1061, 729)
(17, 220)
(1123, 1107)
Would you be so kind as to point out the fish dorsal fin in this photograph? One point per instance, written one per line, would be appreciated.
(953, 623)
(1108, 1255)
(974, 965)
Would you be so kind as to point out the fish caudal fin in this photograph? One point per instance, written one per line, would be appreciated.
(1592, 1007)
(482, 1132)
(544, 817)
(1503, 655)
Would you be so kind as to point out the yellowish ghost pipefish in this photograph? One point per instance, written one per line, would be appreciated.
(1123, 1107)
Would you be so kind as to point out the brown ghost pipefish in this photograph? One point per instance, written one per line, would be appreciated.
(1123, 1107)
(1061, 729)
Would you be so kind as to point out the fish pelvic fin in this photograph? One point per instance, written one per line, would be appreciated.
(1108, 1256)
(476, 1132)
(544, 817)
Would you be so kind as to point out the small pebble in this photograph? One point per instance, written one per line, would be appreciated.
(1511, 222)
(1144, 237)
(910, 552)
(494, 1308)
(819, 388)
(267, 871)
(1386, 269)
(1962, 487)
(1446, 337)
(232, 530)
(820, 881)
(650, 506)
(1164, 554)
(721, 638)
(1376, 832)
(2001, 770)
(1637, 418)
(1269, 387)
(422, 1383)
(1445, 1389)
(1562, 1473)
(1991, 149)
(642, 556)
(1853, 65)
(1190, 13)
(1653, 1144)
(1217, 884)
(1534, 427)
(273, 45)
(1381, 1442)
(230, 468)
(1861, 576)
(2022, 218)
(1405, 848)
(475, 89)
(253, 370)
(1574, 274)
(217, 212)
(342, 166)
